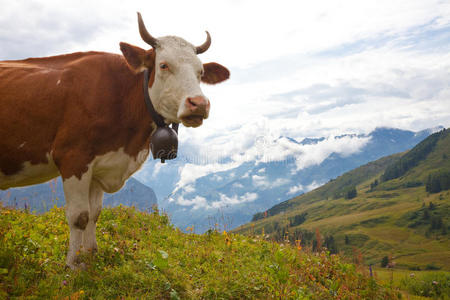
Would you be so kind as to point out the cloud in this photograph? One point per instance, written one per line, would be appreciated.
(237, 185)
(264, 183)
(312, 186)
(188, 189)
(199, 202)
(217, 177)
(317, 153)
(234, 200)
(300, 188)
(295, 189)
(260, 181)
(190, 172)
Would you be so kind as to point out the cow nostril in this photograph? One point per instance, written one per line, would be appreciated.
(191, 102)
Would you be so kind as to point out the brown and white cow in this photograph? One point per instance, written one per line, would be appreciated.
(82, 116)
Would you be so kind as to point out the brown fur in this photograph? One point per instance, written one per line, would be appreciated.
(97, 107)
(214, 73)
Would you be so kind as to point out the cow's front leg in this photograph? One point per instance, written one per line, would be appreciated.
(95, 207)
(76, 191)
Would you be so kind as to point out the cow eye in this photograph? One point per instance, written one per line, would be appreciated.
(163, 66)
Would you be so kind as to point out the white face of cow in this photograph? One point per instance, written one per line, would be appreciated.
(175, 91)
(176, 73)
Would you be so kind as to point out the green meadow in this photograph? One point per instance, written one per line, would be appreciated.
(142, 256)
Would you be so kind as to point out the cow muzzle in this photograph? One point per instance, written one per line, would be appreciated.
(195, 110)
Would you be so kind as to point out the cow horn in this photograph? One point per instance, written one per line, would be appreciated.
(147, 37)
(205, 45)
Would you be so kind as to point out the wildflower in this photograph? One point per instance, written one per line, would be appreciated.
(227, 238)
(435, 282)
(64, 282)
(298, 244)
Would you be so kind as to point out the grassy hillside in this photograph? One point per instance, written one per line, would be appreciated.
(392, 214)
(143, 256)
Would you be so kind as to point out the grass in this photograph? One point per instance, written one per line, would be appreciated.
(417, 284)
(141, 255)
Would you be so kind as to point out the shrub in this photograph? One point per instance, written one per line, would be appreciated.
(350, 193)
(384, 262)
(438, 181)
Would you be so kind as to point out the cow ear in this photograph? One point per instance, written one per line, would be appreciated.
(138, 59)
(214, 73)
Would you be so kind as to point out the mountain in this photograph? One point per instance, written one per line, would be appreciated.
(42, 197)
(281, 169)
(396, 206)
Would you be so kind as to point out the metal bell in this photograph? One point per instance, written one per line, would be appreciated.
(164, 144)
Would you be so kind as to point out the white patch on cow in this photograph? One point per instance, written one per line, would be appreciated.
(21, 145)
(58, 82)
(172, 87)
(76, 191)
(112, 169)
(107, 173)
(30, 174)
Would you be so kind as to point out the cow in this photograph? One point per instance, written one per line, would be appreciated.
(82, 116)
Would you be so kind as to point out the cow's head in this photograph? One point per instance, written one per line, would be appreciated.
(176, 73)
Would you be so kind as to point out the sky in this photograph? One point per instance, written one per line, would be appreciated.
(298, 68)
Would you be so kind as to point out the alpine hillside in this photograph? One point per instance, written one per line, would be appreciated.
(397, 207)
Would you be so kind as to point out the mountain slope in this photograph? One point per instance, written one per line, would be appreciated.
(395, 217)
(42, 197)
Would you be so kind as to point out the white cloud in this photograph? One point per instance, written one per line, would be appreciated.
(246, 175)
(317, 153)
(190, 172)
(279, 182)
(197, 202)
(217, 177)
(234, 200)
(312, 186)
(264, 183)
(260, 181)
(157, 168)
(188, 189)
(237, 185)
(295, 189)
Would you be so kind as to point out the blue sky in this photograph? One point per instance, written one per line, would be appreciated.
(298, 69)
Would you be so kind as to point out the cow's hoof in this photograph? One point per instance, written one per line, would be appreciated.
(76, 267)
